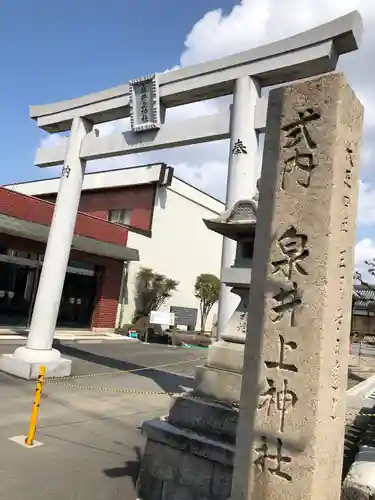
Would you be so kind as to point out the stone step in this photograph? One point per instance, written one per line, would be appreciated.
(205, 417)
(178, 464)
(160, 431)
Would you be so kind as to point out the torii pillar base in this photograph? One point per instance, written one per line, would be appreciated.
(25, 363)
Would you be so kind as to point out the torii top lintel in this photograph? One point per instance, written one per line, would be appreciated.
(304, 55)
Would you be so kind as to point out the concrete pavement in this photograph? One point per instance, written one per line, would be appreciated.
(361, 364)
(19, 336)
(366, 350)
(92, 440)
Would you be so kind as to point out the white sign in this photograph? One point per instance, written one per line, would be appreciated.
(144, 103)
(162, 318)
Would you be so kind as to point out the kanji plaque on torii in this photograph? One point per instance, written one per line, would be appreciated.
(144, 103)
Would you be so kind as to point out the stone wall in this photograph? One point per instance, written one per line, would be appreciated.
(172, 473)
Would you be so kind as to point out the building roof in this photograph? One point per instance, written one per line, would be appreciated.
(29, 217)
(364, 298)
(156, 173)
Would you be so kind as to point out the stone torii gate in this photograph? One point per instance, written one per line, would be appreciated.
(145, 100)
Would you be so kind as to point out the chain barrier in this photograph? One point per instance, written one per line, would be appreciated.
(173, 395)
(62, 381)
(135, 392)
(120, 391)
(117, 372)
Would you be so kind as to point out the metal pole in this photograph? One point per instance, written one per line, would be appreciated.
(34, 414)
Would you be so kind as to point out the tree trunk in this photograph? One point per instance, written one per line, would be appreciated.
(204, 315)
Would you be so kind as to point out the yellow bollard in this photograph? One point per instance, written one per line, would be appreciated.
(34, 414)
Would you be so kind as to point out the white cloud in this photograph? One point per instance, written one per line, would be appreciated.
(249, 24)
(214, 183)
(52, 140)
(364, 250)
(216, 34)
(255, 22)
(366, 205)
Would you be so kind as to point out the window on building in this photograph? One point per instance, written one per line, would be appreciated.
(25, 254)
(18, 253)
(120, 216)
(81, 265)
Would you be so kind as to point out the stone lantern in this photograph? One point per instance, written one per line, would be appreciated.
(199, 433)
(220, 378)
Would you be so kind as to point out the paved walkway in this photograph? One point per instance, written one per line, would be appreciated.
(361, 364)
(92, 440)
(19, 336)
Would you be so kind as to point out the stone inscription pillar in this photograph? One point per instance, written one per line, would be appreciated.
(290, 434)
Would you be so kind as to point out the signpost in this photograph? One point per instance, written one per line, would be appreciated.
(162, 318)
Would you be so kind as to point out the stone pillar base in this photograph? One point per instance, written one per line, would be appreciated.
(227, 355)
(220, 385)
(29, 370)
(221, 377)
(190, 453)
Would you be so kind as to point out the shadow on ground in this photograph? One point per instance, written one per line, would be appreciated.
(355, 377)
(131, 468)
(354, 435)
(168, 382)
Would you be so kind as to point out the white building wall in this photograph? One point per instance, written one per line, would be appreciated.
(181, 246)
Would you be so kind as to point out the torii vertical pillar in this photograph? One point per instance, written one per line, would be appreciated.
(25, 362)
(242, 178)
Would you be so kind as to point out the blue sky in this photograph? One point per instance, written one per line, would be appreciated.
(51, 51)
